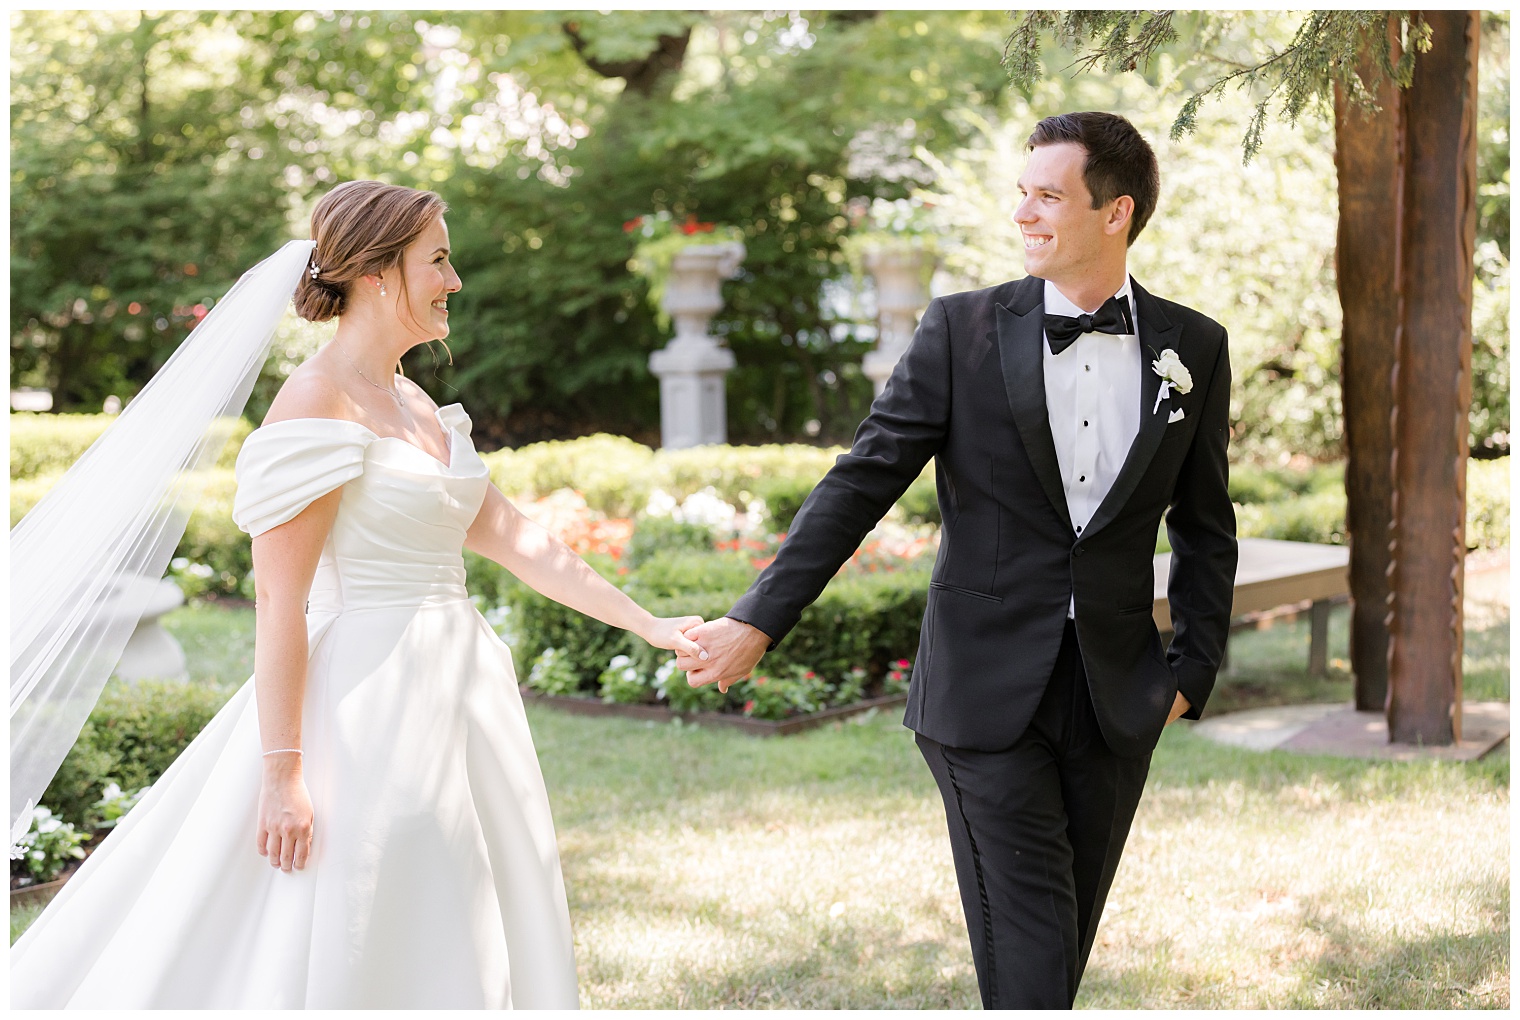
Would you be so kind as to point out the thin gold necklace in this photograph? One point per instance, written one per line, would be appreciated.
(394, 395)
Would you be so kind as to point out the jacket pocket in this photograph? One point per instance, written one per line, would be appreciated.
(1135, 611)
(965, 591)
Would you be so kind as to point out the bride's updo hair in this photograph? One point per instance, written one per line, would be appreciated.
(361, 227)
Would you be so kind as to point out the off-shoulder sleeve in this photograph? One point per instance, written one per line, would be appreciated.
(453, 417)
(284, 466)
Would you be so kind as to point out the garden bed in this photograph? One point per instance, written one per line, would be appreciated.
(743, 723)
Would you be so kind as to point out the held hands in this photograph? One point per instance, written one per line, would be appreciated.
(729, 652)
(670, 633)
(285, 814)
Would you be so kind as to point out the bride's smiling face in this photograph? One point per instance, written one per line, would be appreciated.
(422, 306)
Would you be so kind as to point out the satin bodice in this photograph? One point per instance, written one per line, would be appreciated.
(397, 538)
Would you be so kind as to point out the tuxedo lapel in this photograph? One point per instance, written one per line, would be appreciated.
(1020, 337)
(1157, 333)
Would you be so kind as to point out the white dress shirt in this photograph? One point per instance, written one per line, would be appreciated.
(1092, 397)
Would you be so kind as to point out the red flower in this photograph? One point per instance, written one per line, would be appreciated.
(760, 681)
(749, 706)
(633, 224)
(811, 675)
(901, 664)
(622, 570)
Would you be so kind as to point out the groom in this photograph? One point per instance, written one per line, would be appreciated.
(1066, 412)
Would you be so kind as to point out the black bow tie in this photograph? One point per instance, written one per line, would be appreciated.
(1061, 331)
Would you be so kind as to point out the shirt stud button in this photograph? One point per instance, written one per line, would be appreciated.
(1084, 423)
(1083, 478)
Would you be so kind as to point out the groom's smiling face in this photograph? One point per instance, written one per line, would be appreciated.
(1064, 236)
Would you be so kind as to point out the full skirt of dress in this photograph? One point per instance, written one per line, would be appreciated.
(434, 880)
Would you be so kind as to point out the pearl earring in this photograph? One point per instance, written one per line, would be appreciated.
(382, 290)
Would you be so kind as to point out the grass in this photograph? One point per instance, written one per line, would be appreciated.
(708, 869)
(217, 638)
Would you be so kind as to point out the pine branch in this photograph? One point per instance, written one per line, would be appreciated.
(1324, 53)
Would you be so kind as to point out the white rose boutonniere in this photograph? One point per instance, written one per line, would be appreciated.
(1174, 375)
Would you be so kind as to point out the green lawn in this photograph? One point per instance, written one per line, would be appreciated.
(707, 869)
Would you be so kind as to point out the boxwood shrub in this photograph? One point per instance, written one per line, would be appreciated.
(47, 444)
(860, 621)
(617, 475)
(133, 734)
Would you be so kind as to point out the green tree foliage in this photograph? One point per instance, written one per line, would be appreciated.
(154, 157)
(130, 206)
(1301, 73)
(152, 161)
(760, 127)
(545, 131)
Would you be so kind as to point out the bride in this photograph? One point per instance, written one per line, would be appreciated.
(365, 823)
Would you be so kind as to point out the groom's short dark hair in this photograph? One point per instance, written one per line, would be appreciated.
(1119, 160)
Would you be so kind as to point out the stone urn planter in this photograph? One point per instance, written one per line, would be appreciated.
(692, 367)
(900, 298)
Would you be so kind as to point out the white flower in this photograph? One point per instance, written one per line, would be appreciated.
(706, 508)
(1170, 367)
(661, 503)
(618, 662)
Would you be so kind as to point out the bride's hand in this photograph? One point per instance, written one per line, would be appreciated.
(285, 813)
(670, 632)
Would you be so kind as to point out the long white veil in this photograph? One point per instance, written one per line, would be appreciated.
(81, 557)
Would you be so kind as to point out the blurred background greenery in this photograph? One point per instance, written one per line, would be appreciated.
(156, 156)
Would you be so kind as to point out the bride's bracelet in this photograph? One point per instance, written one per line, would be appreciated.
(284, 750)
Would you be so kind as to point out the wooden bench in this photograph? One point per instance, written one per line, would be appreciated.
(1271, 574)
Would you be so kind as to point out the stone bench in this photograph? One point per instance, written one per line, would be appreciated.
(1272, 574)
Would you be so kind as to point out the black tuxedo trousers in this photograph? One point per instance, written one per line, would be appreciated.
(1035, 831)
(989, 676)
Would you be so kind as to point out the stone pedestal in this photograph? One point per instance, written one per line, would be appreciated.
(900, 298)
(151, 651)
(692, 367)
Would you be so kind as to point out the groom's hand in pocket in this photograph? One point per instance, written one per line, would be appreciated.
(732, 650)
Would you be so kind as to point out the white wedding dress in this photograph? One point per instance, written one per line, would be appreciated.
(434, 879)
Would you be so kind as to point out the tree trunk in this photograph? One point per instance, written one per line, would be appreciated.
(1432, 384)
(1368, 171)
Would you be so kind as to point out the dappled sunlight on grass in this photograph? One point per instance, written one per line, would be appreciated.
(707, 869)
(1282, 883)
(710, 869)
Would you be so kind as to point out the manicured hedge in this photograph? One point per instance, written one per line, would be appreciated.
(1311, 506)
(861, 621)
(616, 476)
(46, 444)
(134, 733)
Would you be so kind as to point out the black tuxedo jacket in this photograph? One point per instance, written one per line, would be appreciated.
(970, 392)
